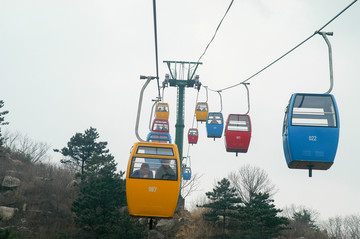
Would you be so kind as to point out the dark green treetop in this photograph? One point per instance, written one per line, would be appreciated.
(2, 119)
(98, 209)
(223, 202)
(258, 219)
(81, 148)
(304, 216)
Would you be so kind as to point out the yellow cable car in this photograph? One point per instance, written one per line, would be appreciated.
(162, 110)
(153, 180)
(201, 111)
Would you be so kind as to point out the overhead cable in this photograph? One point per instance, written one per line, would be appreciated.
(216, 30)
(156, 48)
(278, 59)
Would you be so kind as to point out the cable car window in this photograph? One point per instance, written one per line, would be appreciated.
(162, 136)
(158, 138)
(202, 107)
(153, 168)
(163, 141)
(193, 132)
(187, 170)
(313, 110)
(167, 170)
(238, 123)
(215, 119)
(162, 107)
(155, 151)
(161, 126)
(141, 168)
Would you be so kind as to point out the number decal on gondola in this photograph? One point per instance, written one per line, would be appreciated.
(152, 189)
(312, 138)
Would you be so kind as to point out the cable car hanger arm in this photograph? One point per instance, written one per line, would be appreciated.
(248, 96)
(148, 79)
(219, 92)
(323, 34)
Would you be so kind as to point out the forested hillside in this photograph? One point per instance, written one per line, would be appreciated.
(37, 201)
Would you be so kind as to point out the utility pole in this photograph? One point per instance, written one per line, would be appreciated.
(176, 79)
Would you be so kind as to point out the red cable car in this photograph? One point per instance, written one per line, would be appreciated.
(237, 133)
(160, 126)
(193, 136)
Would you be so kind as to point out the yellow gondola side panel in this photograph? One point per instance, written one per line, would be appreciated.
(152, 197)
(162, 111)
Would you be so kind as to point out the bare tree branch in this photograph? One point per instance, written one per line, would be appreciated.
(250, 180)
(10, 139)
(190, 186)
(343, 228)
(22, 144)
(335, 227)
(352, 226)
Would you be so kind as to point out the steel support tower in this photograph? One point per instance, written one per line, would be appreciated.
(176, 78)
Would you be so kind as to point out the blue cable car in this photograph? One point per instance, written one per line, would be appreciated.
(157, 137)
(311, 131)
(186, 173)
(214, 125)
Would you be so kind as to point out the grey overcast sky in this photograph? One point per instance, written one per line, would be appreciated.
(71, 64)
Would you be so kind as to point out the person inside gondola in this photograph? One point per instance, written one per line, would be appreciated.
(165, 171)
(143, 172)
(214, 121)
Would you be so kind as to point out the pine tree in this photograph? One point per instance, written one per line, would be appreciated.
(258, 219)
(304, 217)
(302, 224)
(223, 203)
(2, 119)
(102, 195)
(81, 148)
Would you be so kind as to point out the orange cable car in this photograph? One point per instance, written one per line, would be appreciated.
(162, 111)
(153, 180)
(201, 111)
